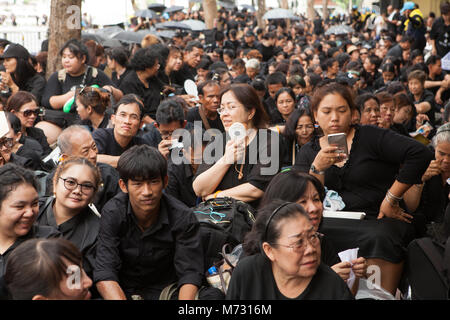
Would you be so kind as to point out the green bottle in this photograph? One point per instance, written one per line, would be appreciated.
(68, 105)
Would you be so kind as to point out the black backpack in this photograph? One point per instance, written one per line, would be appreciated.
(222, 221)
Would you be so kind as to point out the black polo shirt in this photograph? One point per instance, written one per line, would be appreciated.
(118, 80)
(194, 115)
(107, 144)
(186, 72)
(180, 183)
(145, 262)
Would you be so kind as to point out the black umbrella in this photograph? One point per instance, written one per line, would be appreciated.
(157, 7)
(172, 25)
(146, 14)
(226, 5)
(108, 32)
(174, 9)
(111, 43)
(92, 36)
(195, 25)
(166, 34)
(129, 36)
(248, 7)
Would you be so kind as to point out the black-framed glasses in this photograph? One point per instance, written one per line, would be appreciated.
(7, 142)
(300, 245)
(70, 184)
(30, 112)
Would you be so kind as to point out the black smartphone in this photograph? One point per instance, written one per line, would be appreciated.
(340, 140)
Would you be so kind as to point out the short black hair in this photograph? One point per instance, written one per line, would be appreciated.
(169, 111)
(77, 48)
(144, 58)
(276, 78)
(193, 44)
(13, 175)
(129, 99)
(119, 54)
(141, 162)
(206, 83)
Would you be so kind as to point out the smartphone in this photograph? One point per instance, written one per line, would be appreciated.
(176, 144)
(340, 140)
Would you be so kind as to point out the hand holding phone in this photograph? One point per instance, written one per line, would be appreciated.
(339, 140)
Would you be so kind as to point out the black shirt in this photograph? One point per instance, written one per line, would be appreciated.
(39, 136)
(427, 96)
(146, 262)
(118, 80)
(29, 150)
(253, 280)
(186, 72)
(81, 230)
(107, 144)
(180, 183)
(395, 51)
(194, 115)
(377, 158)
(151, 96)
(242, 78)
(103, 124)
(441, 34)
(35, 85)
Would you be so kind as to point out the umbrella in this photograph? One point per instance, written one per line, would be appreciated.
(339, 29)
(111, 43)
(129, 36)
(248, 7)
(146, 14)
(166, 34)
(174, 9)
(108, 32)
(92, 36)
(278, 14)
(172, 25)
(157, 7)
(226, 5)
(195, 25)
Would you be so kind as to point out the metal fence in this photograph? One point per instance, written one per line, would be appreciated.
(30, 37)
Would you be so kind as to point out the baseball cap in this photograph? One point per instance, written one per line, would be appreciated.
(408, 6)
(15, 50)
(351, 49)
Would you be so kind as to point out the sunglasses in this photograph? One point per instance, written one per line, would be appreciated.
(30, 112)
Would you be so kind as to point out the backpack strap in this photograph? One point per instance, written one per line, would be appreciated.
(204, 119)
(62, 75)
(434, 256)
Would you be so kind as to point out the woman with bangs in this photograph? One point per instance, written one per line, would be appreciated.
(372, 177)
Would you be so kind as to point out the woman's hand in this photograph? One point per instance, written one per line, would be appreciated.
(359, 267)
(395, 212)
(6, 79)
(342, 269)
(234, 151)
(327, 157)
(433, 170)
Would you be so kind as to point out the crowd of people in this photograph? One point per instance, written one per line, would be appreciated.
(118, 206)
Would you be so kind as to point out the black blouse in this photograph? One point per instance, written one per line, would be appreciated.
(253, 280)
(377, 158)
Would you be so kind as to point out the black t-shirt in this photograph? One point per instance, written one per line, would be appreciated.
(35, 85)
(118, 80)
(88, 123)
(253, 280)
(194, 115)
(39, 136)
(186, 72)
(441, 34)
(179, 186)
(107, 144)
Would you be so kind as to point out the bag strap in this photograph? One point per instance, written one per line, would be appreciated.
(204, 119)
(433, 255)
(446, 260)
(168, 291)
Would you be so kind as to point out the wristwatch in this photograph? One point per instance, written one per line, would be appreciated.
(314, 170)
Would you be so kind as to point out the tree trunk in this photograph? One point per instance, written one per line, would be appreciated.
(325, 9)
(65, 24)
(259, 14)
(135, 7)
(284, 4)
(210, 7)
(310, 10)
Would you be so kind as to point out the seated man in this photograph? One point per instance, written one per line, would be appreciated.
(209, 96)
(169, 117)
(76, 141)
(147, 240)
(127, 119)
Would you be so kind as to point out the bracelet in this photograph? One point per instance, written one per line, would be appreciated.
(393, 203)
(389, 194)
(216, 193)
(419, 186)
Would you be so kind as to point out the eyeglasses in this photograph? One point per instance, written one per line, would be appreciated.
(300, 245)
(228, 109)
(7, 142)
(71, 185)
(30, 112)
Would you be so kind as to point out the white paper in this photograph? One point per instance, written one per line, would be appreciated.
(4, 126)
(348, 256)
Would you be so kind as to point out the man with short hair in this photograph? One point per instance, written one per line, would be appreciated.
(238, 71)
(192, 56)
(249, 41)
(206, 112)
(148, 240)
(440, 32)
(332, 67)
(127, 120)
(77, 141)
(403, 45)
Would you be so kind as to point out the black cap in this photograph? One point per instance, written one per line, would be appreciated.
(15, 50)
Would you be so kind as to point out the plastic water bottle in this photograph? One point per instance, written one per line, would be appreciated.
(233, 257)
(214, 278)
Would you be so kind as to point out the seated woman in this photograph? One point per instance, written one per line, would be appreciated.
(233, 174)
(286, 104)
(308, 191)
(61, 87)
(117, 61)
(19, 73)
(173, 64)
(75, 183)
(38, 270)
(298, 131)
(404, 111)
(19, 207)
(30, 149)
(284, 260)
(369, 108)
(379, 168)
(26, 107)
(430, 196)
(91, 107)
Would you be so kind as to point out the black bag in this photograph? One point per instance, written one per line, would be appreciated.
(428, 269)
(222, 221)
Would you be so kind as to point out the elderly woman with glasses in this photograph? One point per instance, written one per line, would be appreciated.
(285, 261)
(70, 209)
(244, 160)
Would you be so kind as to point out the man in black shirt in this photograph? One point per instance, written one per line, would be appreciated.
(440, 32)
(147, 240)
(397, 50)
(274, 82)
(127, 120)
(77, 141)
(191, 59)
(238, 71)
(209, 96)
(249, 41)
(267, 46)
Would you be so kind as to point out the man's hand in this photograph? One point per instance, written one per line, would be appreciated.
(163, 148)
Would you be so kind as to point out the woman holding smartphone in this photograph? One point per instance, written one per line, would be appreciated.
(379, 168)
